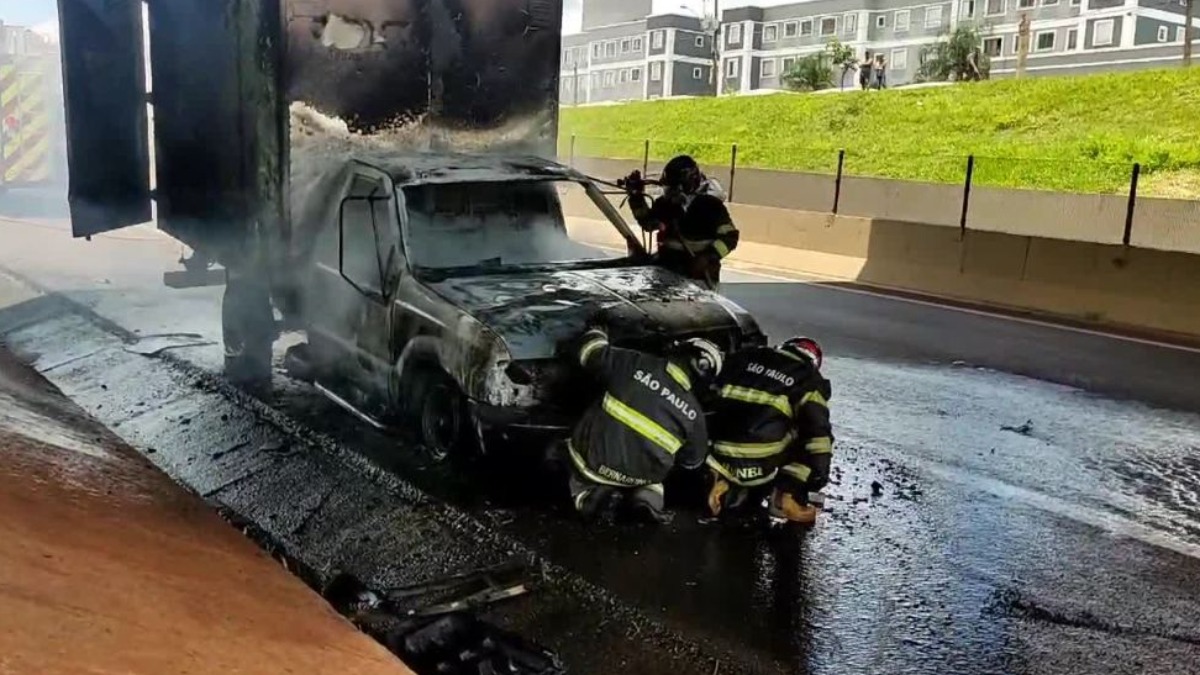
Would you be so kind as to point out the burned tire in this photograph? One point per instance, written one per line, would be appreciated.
(441, 416)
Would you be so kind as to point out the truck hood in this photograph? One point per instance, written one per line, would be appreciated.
(536, 313)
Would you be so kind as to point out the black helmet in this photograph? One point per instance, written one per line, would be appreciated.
(683, 173)
(702, 358)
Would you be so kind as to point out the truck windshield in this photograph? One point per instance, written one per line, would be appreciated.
(496, 225)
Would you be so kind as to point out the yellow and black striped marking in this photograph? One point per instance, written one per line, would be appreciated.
(25, 118)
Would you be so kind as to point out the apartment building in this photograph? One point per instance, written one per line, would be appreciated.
(624, 53)
(760, 44)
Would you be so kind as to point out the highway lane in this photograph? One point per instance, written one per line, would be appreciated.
(1068, 545)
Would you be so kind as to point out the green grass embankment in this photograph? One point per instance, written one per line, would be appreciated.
(1076, 134)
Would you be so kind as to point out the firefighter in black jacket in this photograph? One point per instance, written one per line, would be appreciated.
(648, 421)
(695, 230)
(770, 429)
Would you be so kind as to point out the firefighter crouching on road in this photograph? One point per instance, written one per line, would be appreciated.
(648, 421)
(695, 230)
(770, 430)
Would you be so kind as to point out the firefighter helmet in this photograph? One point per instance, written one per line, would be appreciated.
(683, 173)
(805, 348)
(702, 358)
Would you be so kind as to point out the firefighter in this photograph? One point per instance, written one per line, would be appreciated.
(647, 422)
(771, 432)
(695, 230)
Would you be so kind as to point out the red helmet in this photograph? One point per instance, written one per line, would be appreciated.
(805, 348)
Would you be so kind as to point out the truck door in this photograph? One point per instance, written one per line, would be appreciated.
(357, 293)
(104, 86)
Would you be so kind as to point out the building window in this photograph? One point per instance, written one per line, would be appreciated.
(899, 59)
(968, 8)
(1073, 39)
(933, 16)
(610, 49)
(993, 46)
(732, 67)
(1163, 34)
(791, 29)
(697, 73)
(902, 19)
(626, 46)
(1105, 31)
(656, 71)
(850, 24)
(597, 50)
(994, 7)
(699, 40)
(1026, 4)
(610, 78)
(1076, 3)
(828, 25)
(1049, 3)
(635, 74)
(881, 21)
(735, 33)
(1016, 44)
(658, 40)
(770, 33)
(786, 65)
(806, 27)
(1044, 41)
(768, 67)
(637, 44)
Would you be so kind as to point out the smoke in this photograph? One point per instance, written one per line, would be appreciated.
(450, 225)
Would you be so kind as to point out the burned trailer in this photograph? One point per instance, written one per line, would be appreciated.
(223, 78)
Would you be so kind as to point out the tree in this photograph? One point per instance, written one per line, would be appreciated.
(842, 56)
(810, 73)
(950, 58)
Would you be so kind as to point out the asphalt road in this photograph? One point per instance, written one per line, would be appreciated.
(1039, 509)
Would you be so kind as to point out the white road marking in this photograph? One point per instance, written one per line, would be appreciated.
(806, 278)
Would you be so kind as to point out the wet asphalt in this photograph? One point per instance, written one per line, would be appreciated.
(1036, 506)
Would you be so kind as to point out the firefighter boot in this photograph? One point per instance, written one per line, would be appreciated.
(716, 495)
(785, 506)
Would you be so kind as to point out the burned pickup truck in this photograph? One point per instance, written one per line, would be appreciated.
(443, 288)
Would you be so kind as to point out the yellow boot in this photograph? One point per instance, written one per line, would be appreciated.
(784, 506)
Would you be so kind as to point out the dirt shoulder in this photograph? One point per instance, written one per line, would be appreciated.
(109, 566)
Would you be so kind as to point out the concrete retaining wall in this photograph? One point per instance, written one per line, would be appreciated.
(1088, 281)
(1163, 224)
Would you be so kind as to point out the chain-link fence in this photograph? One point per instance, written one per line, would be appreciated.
(1086, 199)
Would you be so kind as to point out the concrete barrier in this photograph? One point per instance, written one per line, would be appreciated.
(1084, 281)
(1162, 224)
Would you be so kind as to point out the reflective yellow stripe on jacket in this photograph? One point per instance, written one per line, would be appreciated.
(583, 468)
(720, 468)
(752, 450)
(641, 425)
(748, 395)
(679, 375)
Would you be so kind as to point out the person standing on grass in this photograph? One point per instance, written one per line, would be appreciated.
(880, 72)
(864, 72)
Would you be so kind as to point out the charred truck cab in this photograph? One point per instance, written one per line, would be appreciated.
(444, 288)
(434, 272)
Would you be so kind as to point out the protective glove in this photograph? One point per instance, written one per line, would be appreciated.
(634, 184)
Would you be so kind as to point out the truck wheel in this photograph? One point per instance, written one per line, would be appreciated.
(441, 414)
